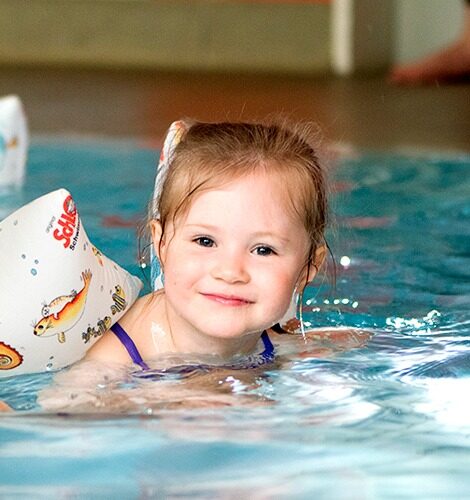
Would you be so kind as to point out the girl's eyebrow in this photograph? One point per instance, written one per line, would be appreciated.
(259, 235)
(266, 234)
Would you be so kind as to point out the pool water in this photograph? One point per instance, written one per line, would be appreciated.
(389, 420)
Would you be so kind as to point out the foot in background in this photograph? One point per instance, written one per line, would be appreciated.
(451, 63)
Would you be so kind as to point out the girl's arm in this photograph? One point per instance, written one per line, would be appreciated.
(85, 386)
(323, 342)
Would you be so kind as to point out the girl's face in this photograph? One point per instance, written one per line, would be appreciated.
(232, 263)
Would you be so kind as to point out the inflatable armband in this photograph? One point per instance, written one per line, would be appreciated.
(13, 142)
(173, 137)
(58, 293)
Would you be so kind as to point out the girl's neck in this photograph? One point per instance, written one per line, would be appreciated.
(171, 334)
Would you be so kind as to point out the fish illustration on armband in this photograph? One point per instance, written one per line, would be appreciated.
(63, 312)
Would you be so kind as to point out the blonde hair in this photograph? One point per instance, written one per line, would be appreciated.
(212, 154)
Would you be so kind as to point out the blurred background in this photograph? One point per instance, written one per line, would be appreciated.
(127, 68)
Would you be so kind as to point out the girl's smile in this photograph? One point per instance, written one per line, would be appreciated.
(227, 300)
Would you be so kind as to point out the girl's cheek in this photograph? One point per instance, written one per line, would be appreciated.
(283, 286)
(186, 271)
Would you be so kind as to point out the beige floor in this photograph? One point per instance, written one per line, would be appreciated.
(366, 112)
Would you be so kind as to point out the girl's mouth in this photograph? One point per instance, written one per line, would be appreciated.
(227, 300)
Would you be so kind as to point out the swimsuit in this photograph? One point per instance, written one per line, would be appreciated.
(266, 356)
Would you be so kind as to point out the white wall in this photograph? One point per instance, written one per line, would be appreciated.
(203, 35)
(422, 26)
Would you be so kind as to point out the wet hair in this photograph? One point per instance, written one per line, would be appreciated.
(210, 155)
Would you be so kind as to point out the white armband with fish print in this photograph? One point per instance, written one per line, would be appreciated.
(58, 293)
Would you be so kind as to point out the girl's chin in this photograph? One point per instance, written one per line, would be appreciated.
(223, 333)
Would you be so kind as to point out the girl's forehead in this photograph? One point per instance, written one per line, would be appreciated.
(251, 187)
(256, 197)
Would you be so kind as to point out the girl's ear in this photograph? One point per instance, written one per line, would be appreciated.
(317, 263)
(157, 241)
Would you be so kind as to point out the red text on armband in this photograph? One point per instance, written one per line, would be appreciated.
(67, 222)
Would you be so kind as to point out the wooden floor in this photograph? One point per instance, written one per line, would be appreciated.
(365, 112)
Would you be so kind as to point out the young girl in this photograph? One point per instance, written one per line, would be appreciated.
(239, 230)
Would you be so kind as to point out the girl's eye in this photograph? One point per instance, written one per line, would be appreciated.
(264, 250)
(204, 241)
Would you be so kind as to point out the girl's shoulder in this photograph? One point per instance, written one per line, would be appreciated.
(109, 347)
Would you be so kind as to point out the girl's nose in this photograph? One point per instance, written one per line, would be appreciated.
(231, 269)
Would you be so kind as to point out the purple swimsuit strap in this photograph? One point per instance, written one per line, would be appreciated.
(267, 356)
(128, 343)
